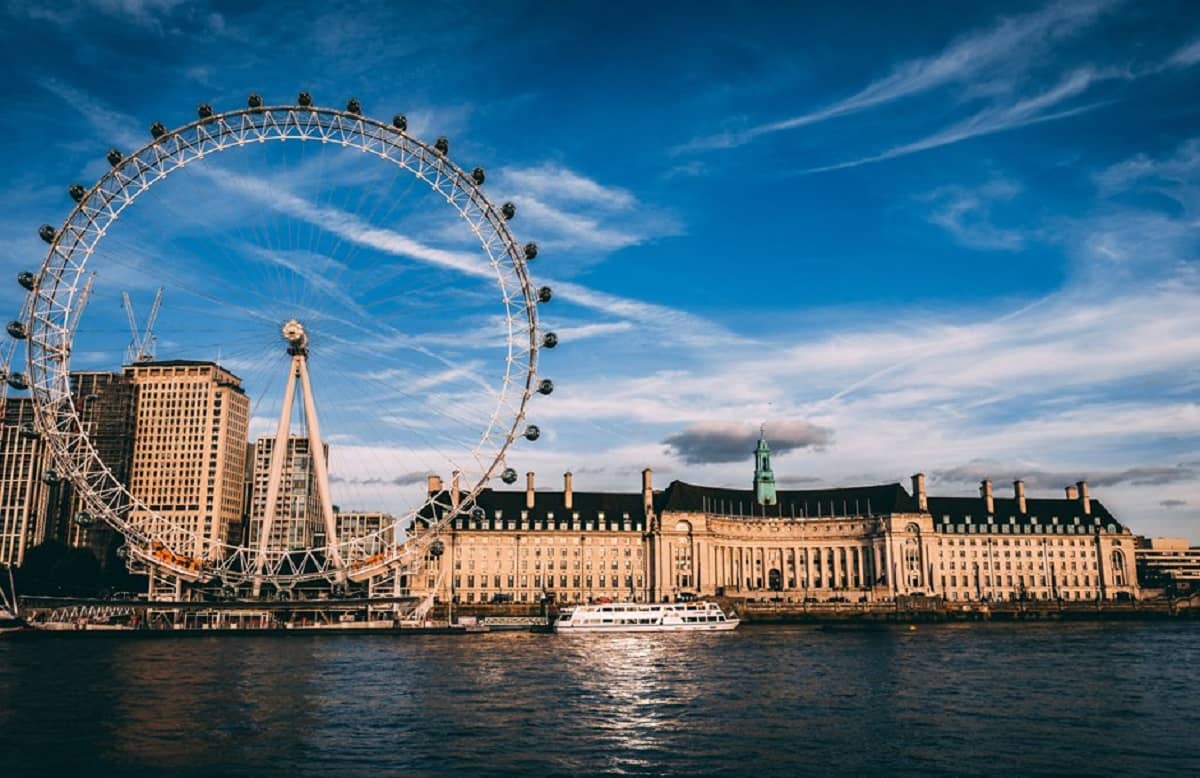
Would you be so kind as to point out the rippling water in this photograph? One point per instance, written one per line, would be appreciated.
(1099, 698)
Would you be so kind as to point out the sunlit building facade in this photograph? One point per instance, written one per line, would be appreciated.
(858, 544)
(189, 453)
(24, 495)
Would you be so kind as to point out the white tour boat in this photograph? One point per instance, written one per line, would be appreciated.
(645, 617)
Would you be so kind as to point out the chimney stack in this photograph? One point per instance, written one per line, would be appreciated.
(1019, 493)
(434, 484)
(648, 490)
(1072, 494)
(918, 484)
(529, 490)
(455, 479)
(1085, 498)
(568, 490)
(985, 491)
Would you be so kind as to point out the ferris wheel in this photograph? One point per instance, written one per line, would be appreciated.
(330, 319)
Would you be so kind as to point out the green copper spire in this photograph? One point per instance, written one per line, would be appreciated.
(764, 479)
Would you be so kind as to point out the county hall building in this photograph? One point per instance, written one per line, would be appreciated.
(856, 544)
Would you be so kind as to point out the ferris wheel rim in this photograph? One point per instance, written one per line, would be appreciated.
(51, 393)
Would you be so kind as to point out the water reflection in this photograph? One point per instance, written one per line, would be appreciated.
(772, 699)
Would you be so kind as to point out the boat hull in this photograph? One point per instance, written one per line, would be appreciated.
(723, 626)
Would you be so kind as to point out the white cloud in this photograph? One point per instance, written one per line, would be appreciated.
(966, 214)
(999, 118)
(1001, 52)
(1186, 56)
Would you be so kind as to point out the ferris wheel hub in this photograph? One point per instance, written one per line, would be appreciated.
(295, 334)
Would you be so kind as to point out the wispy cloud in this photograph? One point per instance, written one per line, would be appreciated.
(966, 214)
(989, 121)
(1011, 45)
(1035, 478)
(573, 213)
(1186, 56)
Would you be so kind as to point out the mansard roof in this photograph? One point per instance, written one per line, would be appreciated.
(1038, 511)
(877, 500)
(550, 510)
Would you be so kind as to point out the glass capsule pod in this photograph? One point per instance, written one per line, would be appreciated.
(532, 432)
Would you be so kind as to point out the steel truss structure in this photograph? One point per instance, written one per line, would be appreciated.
(58, 294)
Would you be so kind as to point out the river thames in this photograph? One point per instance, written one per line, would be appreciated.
(772, 700)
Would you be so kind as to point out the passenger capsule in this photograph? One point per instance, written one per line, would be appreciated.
(437, 548)
(544, 294)
(254, 100)
(114, 157)
(478, 176)
(26, 279)
(400, 122)
(17, 381)
(545, 386)
(50, 476)
(85, 519)
(509, 476)
(508, 210)
(17, 330)
(123, 552)
(442, 145)
(29, 431)
(77, 192)
(531, 250)
(157, 130)
(354, 107)
(46, 233)
(532, 432)
(549, 340)
(304, 99)
(204, 111)
(478, 513)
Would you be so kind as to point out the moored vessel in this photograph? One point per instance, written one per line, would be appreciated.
(645, 617)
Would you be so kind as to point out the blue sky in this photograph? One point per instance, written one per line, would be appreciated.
(957, 238)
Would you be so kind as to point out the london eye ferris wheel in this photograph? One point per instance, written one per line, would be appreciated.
(379, 319)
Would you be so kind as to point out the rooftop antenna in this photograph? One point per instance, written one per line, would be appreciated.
(143, 343)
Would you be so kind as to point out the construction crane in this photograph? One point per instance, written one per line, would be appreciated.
(141, 347)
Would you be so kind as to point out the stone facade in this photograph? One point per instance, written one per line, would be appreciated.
(861, 544)
(189, 453)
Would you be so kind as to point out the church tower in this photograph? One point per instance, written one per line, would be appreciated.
(764, 478)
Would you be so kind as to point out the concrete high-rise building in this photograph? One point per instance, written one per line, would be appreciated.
(24, 495)
(359, 524)
(105, 403)
(189, 452)
(298, 521)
